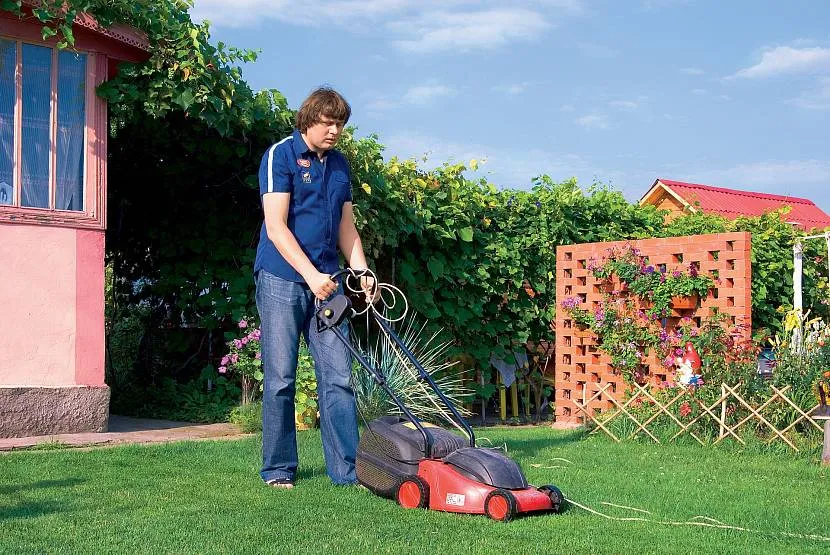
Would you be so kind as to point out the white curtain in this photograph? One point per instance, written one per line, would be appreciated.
(37, 90)
(69, 194)
(8, 59)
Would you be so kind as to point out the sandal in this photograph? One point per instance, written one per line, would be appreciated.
(283, 483)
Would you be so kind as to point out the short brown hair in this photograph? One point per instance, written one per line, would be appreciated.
(322, 102)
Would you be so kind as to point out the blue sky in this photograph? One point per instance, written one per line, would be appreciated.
(727, 93)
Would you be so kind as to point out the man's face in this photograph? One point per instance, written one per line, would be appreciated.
(323, 135)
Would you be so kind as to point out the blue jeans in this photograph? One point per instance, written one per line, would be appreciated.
(286, 309)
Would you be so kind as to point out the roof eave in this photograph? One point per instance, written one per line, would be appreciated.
(660, 187)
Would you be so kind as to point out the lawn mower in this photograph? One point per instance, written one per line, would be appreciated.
(421, 465)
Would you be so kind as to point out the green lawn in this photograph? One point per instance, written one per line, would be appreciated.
(203, 497)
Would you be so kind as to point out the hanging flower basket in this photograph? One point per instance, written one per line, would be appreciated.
(683, 302)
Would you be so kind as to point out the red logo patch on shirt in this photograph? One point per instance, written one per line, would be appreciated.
(303, 162)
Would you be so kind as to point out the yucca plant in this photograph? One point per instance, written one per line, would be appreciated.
(402, 376)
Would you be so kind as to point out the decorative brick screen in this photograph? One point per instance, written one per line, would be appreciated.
(580, 366)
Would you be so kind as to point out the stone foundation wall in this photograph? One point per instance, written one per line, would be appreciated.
(32, 411)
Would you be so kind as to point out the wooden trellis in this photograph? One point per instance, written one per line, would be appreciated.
(729, 394)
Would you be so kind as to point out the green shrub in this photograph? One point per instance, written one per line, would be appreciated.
(403, 378)
(248, 417)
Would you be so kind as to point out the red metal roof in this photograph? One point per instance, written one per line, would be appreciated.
(732, 203)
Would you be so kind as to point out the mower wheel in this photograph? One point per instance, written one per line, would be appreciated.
(412, 492)
(500, 505)
(557, 500)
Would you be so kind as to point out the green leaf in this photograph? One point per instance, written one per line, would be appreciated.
(436, 267)
(466, 234)
(185, 100)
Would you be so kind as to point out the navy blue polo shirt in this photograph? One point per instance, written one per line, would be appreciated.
(318, 191)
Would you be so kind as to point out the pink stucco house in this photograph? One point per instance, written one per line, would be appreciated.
(53, 183)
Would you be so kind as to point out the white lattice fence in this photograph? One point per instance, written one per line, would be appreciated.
(728, 415)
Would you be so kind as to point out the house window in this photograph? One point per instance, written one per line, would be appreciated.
(42, 127)
(8, 62)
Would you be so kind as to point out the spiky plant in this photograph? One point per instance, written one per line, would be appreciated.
(402, 376)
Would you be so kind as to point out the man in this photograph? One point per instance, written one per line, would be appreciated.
(307, 203)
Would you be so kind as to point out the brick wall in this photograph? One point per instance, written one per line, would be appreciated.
(580, 367)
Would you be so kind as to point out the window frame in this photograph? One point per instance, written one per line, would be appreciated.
(93, 216)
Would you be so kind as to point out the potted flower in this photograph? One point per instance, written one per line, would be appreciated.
(686, 289)
(618, 269)
(678, 290)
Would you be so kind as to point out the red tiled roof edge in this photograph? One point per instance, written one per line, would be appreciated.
(780, 198)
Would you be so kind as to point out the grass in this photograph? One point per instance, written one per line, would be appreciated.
(206, 497)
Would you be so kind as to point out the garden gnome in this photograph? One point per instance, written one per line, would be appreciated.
(687, 366)
(691, 356)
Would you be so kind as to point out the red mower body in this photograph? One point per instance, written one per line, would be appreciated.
(453, 492)
(456, 479)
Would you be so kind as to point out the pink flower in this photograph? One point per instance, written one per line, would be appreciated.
(222, 369)
(234, 358)
(225, 360)
(237, 343)
(685, 409)
(243, 323)
(244, 341)
(258, 355)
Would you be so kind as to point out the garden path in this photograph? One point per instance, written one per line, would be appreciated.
(128, 430)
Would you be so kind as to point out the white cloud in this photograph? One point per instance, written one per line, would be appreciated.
(381, 104)
(242, 13)
(627, 105)
(423, 94)
(421, 26)
(788, 60)
(699, 92)
(417, 95)
(593, 121)
(463, 31)
(567, 108)
(504, 168)
(777, 177)
(816, 99)
(692, 71)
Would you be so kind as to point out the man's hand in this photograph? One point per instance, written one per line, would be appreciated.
(321, 285)
(372, 292)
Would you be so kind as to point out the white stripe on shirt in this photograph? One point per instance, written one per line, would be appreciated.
(271, 163)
